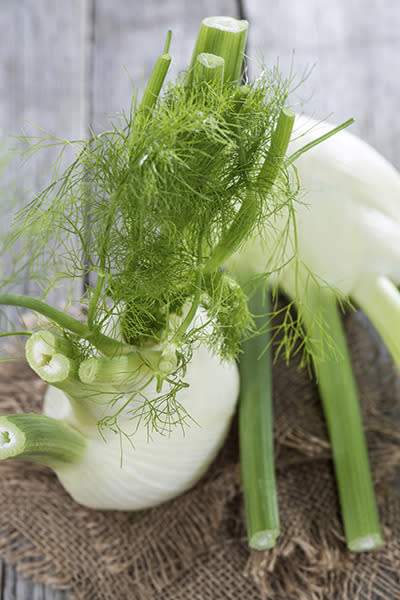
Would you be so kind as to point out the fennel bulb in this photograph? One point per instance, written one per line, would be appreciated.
(145, 379)
(347, 230)
(155, 466)
(102, 468)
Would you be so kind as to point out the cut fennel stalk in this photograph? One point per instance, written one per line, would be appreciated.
(341, 406)
(257, 431)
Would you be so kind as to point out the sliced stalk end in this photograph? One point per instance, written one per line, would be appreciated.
(227, 24)
(12, 439)
(264, 540)
(240, 96)
(112, 371)
(48, 355)
(366, 543)
(224, 37)
(209, 68)
(40, 439)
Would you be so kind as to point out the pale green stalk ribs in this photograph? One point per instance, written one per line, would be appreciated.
(256, 431)
(40, 439)
(342, 412)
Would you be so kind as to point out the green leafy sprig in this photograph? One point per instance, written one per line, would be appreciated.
(159, 195)
(151, 209)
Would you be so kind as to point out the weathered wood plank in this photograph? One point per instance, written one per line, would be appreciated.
(42, 70)
(354, 47)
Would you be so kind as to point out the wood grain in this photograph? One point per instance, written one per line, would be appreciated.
(352, 47)
(42, 75)
(15, 587)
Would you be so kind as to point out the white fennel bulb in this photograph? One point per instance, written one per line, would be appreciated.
(156, 466)
(347, 229)
(129, 465)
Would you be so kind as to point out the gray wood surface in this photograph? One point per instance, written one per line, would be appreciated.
(63, 66)
(353, 47)
(42, 84)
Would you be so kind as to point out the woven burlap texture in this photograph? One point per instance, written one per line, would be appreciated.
(194, 547)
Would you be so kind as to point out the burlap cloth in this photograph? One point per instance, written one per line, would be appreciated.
(195, 546)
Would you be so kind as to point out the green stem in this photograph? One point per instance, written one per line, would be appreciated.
(167, 44)
(279, 144)
(209, 68)
(120, 370)
(40, 439)
(239, 99)
(147, 104)
(55, 315)
(317, 141)
(246, 216)
(256, 434)
(180, 332)
(342, 412)
(98, 287)
(105, 344)
(380, 300)
(9, 333)
(224, 37)
(155, 83)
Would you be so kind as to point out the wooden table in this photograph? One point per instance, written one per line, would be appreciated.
(64, 66)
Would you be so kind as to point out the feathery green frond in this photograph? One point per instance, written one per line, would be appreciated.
(163, 190)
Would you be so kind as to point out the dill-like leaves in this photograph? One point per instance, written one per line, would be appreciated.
(140, 211)
(158, 194)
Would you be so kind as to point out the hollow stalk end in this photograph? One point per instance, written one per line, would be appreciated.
(264, 540)
(224, 37)
(12, 439)
(40, 439)
(48, 355)
(209, 68)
